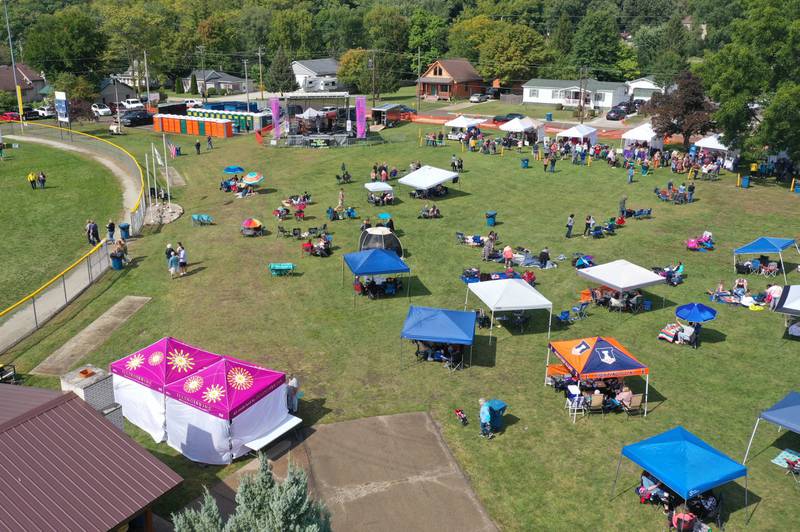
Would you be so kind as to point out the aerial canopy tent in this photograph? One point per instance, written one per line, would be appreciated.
(711, 142)
(505, 295)
(380, 238)
(683, 462)
(580, 132)
(621, 275)
(764, 245)
(378, 186)
(427, 177)
(789, 302)
(310, 114)
(785, 413)
(375, 262)
(598, 357)
(438, 325)
(643, 133)
(521, 125)
(464, 122)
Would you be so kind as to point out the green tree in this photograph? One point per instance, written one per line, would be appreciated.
(466, 35)
(387, 28)
(193, 85)
(779, 125)
(596, 44)
(291, 29)
(355, 73)
(684, 110)
(524, 12)
(340, 27)
(68, 41)
(280, 77)
(637, 14)
(627, 64)
(561, 38)
(261, 505)
(8, 101)
(179, 86)
(76, 87)
(428, 33)
(512, 55)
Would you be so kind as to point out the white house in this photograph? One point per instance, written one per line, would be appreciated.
(316, 74)
(568, 92)
(643, 88)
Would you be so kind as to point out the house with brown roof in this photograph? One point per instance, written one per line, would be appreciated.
(65, 467)
(449, 78)
(30, 82)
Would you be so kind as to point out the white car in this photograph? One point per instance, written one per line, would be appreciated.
(132, 103)
(45, 112)
(191, 102)
(101, 109)
(478, 98)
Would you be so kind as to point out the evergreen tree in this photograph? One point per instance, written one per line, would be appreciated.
(280, 77)
(178, 86)
(193, 85)
(205, 519)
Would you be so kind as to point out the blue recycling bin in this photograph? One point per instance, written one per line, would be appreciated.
(491, 217)
(524, 163)
(548, 117)
(124, 231)
(497, 409)
(745, 181)
(116, 262)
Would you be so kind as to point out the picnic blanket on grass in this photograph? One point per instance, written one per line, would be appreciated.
(669, 332)
(780, 460)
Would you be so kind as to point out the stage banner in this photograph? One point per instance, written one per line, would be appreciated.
(361, 117)
(275, 107)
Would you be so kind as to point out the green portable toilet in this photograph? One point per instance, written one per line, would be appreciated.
(183, 126)
(201, 128)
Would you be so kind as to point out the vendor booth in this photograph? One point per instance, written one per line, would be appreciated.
(711, 142)
(524, 125)
(597, 357)
(460, 125)
(644, 134)
(510, 295)
(684, 463)
(376, 262)
(766, 245)
(579, 133)
(378, 187)
(785, 414)
(427, 178)
(440, 326)
(621, 275)
(380, 238)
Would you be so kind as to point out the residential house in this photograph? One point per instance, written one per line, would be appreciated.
(111, 91)
(568, 92)
(135, 76)
(222, 82)
(445, 79)
(65, 467)
(30, 82)
(643, 88)
(314, 75)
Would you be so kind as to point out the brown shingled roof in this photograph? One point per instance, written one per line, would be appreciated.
(64, 467)
(24, 73)
(460, 69)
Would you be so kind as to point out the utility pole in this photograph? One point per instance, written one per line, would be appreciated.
(419, 73)
(372, 64)
(202, 51)
(116, 100)
(13, 63)
(583, 79)
(260, 74)
(246, 84)
(146, 78)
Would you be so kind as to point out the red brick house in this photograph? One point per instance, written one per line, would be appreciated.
(450, 78)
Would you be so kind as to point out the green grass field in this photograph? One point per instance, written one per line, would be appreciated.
(43, 229)
(543, 473)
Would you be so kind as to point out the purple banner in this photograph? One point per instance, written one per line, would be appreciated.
(361, 117)
(275, 107)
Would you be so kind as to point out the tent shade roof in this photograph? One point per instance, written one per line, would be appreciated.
(509, 294)
(785, 413)
(427, 177)
(310, 113)
(464, 122)
(621, 275)
(597, 358)
(378, 186)
(711, 142)
(580, 131)
(789, 302)
(685, 463)
(764, 244)
(643, 132)
(518, 125)
(439, 325)
(375, 262)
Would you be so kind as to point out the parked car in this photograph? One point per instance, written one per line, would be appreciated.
(136, 118)
(192, 102)
(9, 116)
(638, 104)
(101, 109)
(627, 106)
(29, 114)
(500, 119)
(45, 111)
(132, 104)
(512, 116)
(407, 109)
(616, 113)
(478, 98)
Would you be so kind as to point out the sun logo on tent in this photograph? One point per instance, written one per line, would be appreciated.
(240, 379)
(193, 383)
(180, 361)
(214, 394)
(155, 358)
(135, 362)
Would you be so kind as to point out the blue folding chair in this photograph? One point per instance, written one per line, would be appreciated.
(564, 318)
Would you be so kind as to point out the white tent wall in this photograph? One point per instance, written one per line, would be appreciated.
(199, 436)
(142, 406)
(259, 420)
(643, 133)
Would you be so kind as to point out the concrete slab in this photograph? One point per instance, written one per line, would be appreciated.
(90, 338)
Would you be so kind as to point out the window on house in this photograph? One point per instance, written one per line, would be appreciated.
(533, 93)
(599, 97)
(437, 71)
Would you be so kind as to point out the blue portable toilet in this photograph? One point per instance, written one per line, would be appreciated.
(491, 217)
(497, 409)
(548, 117)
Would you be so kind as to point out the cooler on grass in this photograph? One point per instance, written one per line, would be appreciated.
(524, 163)
(491, 218)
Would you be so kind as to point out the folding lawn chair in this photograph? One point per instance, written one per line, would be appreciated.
(597, 232)
(579, 311)
(635, 408)
(564, 318)
(596, 405)
(297, 233)
(461, 238)
(793, 468)
(282, 232)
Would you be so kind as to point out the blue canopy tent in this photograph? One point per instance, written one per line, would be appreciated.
(784, 413)
(438, 325)
(375, 262)
(765, 245)
(683, 462)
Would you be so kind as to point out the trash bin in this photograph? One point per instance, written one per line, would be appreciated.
(124, 231)
(524, 163)
(490, 218)
(647, 305)
(745, 181)
(548, 117)
(116, 262)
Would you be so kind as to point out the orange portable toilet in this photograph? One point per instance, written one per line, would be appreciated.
(228, 129)
(156, 123)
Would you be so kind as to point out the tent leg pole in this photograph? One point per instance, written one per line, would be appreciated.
(549, 323)
(546, 365)
(471, 347)
(616, 477)
(783, 269)
(466, 298)
(750, 443)
(491, 328)
(646, 390)
(408, 288)
(747, 521)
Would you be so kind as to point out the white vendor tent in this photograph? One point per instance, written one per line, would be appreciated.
(427, 177)
(463, 122)
(621, 275)
(711, 142)
(643, 133)
(378, 186)
(521, 125)
(581, 132)
(505, 295)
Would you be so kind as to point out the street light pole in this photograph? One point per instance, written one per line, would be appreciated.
(260, 75)
(202, 51)
(246, 85)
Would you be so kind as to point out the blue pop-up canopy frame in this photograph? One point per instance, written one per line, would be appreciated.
(764, 245)
(785, 413)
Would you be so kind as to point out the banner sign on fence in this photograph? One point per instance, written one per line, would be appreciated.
(361, 117)
(62, 106)
(275, 108)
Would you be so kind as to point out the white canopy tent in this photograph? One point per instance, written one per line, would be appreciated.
(581, 131)
(378, 186)
(621, 275)
(643, 133)
(463, 122)
(310, 113)
(505, 295)
(711, 142)
(521, 125)
(427, 177)
(789, 302)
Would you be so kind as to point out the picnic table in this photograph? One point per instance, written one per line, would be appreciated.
(279, 269)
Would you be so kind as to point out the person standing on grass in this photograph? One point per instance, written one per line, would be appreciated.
(173, 265)
(588, 223)
(690, 192)
(341, 199)
(570, 223)
(41, 179)
(110, 227)
(95, 233)
(32, 180)
(88, 231)
(552, 165)
(508, 256)
(485, 417)
(546, 162)
(197, 147)
(168, 252)
(622, 210)
(209, 144)
(631, 171)
(183, 259)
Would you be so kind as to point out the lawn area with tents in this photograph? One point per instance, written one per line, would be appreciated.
(543, 472)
